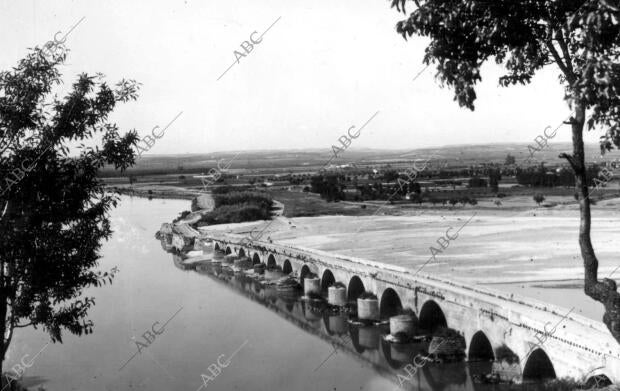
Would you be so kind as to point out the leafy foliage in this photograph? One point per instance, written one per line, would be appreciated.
(56, 211)
(541, 176)
(329, 186)
(236, 214)
(238, 206)
(263, 200)
(580, 37)
(539, 198)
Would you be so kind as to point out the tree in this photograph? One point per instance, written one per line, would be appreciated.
(495, 175)
(539, 198)
(56, 211)
(390, 175)
(510, 160)
(476, 181)
(414, 187)
(416, 198)
(580, 37)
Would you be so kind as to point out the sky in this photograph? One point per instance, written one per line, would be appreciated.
(323, 67)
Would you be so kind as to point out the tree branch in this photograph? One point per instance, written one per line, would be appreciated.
(8, 339)
(567, 59)
(558, 60)
(570, 160)
(6, 206)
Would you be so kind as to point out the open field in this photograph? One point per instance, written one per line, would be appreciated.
(495, 246)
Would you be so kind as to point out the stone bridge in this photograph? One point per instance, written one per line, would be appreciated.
(545, 340)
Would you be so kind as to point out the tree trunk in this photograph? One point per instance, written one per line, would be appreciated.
(3, 347)
(3, 312)
(602, 291)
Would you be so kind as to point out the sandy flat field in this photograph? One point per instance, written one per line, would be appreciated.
(492, 246)
(530, 252)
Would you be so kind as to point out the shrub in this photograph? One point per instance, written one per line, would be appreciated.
(236, 214)
(504, 353)
(239, 197)
(368, 295)
(539, 198)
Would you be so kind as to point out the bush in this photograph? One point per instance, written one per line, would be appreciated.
(477, 182)
(539, 198)
(504, 353)
(261, 199)
(236, 214)
(368, 295)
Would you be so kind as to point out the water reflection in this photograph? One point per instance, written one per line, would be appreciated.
(443, 370)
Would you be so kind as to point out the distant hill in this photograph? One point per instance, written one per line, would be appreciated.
(314, 159)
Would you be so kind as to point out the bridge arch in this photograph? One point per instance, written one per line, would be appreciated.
(228, 250)
(597, 381)
(327, 280)
(255, 259)
(390, 304)
(355, 288)
(216, 247)
(432, 317)
(538, 366)
(303, 273)
(241, 252)
(271, 262)
(286, 267)
(480, 348)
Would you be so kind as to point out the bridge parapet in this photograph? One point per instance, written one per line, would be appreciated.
(523, 323)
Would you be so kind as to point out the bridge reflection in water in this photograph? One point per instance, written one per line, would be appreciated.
(367, 344)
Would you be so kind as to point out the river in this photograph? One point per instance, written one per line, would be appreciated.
(158, 327)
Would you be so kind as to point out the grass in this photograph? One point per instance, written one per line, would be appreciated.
(299, 204)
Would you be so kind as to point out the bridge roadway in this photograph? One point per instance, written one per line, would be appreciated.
(545, 339)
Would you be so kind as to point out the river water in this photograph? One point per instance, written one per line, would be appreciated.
(159, 327)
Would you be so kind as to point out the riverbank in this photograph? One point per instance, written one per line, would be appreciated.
(156, 191)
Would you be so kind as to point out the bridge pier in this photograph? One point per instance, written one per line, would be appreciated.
(540, 335)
